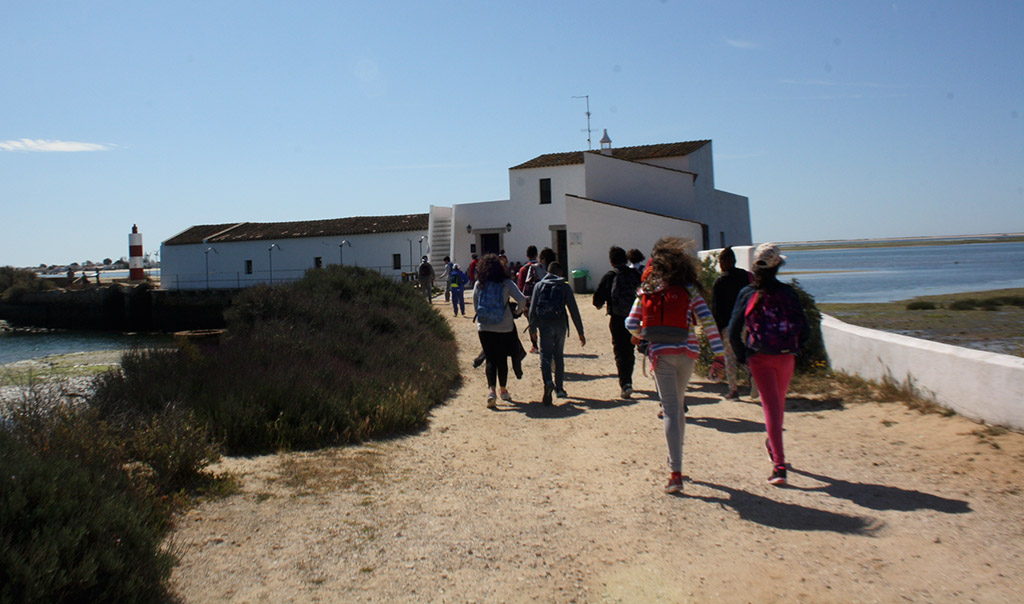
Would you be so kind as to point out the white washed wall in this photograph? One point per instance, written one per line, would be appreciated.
(184, 266)
(980, 385)
(595, 227)
(640, 186)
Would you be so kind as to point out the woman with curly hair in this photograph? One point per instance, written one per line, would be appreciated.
(670, 301)
(495, 324)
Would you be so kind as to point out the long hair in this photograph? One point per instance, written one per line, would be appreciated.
(490, 269)
(671, 265)
(765, 278)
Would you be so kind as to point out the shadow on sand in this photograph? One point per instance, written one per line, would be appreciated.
(787, 516)
(883, 497)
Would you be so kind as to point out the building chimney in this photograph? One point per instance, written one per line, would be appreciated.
(606, 144)
(135, 270)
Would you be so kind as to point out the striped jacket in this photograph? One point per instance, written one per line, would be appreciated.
(699, 311)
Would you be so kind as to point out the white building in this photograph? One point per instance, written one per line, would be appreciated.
(578, 203)
(581, 203)
(221, 256)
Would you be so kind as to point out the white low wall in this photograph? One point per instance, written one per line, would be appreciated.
(980, 385)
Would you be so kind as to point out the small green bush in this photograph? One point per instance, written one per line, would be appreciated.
(16, 282)
(75, 532)
(990, 304)
(965, 304)
(921, 305)
(1010, 300)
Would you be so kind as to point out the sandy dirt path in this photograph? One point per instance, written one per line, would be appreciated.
(565, 504)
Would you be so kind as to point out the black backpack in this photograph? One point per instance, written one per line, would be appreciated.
(425, 269)
(548, 301)
(624, 287)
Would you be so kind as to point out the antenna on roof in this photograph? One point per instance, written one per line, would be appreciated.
(586, 96)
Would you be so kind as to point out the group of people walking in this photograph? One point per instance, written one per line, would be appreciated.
(653, 306)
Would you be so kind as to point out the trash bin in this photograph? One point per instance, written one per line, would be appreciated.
(579, 281)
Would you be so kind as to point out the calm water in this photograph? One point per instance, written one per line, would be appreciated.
(900, 273)
(20, 345)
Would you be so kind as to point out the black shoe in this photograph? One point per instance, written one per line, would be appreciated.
(548, 389)
(778, 477)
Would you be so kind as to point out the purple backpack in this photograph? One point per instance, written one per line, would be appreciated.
(772, 322)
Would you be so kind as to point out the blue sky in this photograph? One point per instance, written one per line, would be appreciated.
(837, 120)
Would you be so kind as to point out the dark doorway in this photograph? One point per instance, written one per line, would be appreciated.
(562, 249)
(490, 243)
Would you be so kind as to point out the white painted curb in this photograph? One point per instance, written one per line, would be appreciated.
(984, 386)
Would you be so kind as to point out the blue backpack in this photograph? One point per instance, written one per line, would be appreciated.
(491, 303)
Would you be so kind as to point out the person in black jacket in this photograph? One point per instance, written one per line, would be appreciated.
(723, 298)
(618, 289)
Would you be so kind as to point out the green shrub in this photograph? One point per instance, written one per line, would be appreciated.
(16, 282)
(340, 356)
(921, 305)
(965, 304)
(989, 304)
(1010, 300)
(74, 531)
(812, 355)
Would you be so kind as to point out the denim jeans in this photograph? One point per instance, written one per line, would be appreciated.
(552, 347)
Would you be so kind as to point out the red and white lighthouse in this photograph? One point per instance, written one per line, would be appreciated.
(135, 269)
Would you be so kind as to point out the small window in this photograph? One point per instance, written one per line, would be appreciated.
(545, 190)
(396, 261)
(318, 262)
(248, 267)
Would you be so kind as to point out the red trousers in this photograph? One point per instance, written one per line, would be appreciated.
(772, 373)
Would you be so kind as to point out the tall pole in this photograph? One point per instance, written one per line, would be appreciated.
(587, 96)
(341, 250)
(206, 252)
(270, 251)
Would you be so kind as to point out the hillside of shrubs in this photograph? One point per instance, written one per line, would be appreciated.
(90, 483)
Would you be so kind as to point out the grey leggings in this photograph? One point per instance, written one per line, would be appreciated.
(672, 374)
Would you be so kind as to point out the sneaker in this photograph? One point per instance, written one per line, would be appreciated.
(733, 394)
(492, 400)
(533, 350)
(675, 482)
(560, 393)
(548, 389)
(505, 396)
(627, 391)
(661, 413)
(778, 477)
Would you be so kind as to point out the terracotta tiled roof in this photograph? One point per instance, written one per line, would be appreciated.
(257, 231)
(628, 153)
